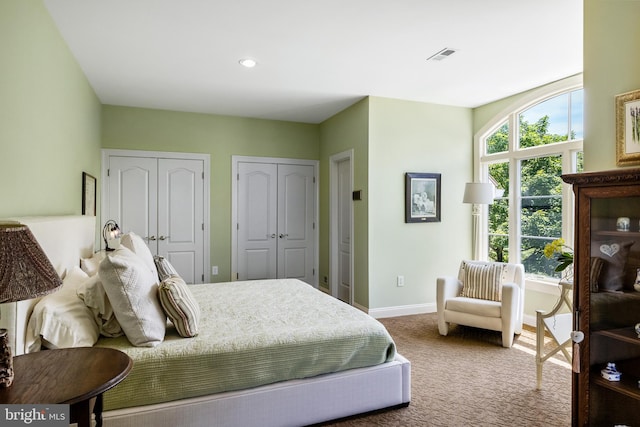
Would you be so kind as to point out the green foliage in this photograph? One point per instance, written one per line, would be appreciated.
(541, 191)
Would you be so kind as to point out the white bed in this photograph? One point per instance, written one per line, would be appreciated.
(289, 403)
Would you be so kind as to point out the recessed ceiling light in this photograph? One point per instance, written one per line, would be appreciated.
(247, 62)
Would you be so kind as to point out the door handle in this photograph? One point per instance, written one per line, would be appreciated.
(151, 238)
(282, 236)
(272, 236)
(163, 237)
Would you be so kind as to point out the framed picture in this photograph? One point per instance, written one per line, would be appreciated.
(628, 128)
(88, 194)
(422, 194)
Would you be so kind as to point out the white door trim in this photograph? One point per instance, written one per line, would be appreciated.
(234, 205)
(205, 158)
(333, 223)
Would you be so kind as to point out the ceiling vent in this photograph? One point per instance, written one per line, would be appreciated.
(443, 54)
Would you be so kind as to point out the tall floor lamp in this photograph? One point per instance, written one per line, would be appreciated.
(477, 193)
(25, 272)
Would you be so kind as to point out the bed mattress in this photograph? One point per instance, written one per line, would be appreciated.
(251, 333)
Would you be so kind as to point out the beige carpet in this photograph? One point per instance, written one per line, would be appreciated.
(468, 379)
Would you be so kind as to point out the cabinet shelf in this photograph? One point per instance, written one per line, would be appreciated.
(614, 233)
(622, 334)
(628, 385)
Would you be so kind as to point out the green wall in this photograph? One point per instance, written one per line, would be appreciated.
(220, 137)
(407, 136)
(347, 130)
(49, 116)
(611, 67)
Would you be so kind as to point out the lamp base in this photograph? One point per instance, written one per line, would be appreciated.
(6, 360)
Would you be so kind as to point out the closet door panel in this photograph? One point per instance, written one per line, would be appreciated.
(133, 196)
(295, 222)
(180, 216)
(257, 220)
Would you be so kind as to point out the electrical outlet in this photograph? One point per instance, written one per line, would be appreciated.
(400, 281)
(214, 270)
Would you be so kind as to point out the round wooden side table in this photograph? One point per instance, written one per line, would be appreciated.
(72, 376)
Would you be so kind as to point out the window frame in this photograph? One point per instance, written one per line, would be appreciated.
(514, 155)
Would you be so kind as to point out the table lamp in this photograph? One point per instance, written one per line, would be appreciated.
(25, 272)
(110, 231)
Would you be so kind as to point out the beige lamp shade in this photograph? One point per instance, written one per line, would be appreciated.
(480, 193)
(25, 270)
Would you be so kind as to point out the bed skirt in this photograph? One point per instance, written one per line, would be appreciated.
(291, 403)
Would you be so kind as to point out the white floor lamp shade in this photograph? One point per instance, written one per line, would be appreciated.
(477, 193)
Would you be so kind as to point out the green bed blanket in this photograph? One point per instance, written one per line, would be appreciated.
(251, 333)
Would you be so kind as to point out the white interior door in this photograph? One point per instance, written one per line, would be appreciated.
(344, 230)
(180, 216)
(275, 221)
(296, 243)
(341, 226)
(161, 200)
(132, 197)
(257, 225)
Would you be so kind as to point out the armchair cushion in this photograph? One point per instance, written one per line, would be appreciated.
(483, 281)
(479, 307)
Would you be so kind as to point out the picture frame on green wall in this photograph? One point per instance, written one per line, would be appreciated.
(628, 128)
(88, 194)
(422, 197)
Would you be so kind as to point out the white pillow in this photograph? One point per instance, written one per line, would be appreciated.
(133, 291)
(61, 319)
(135, 244)
(94, 296)
(91, 265)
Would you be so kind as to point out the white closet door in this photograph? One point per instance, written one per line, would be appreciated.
(257, 220)
(133, 189)
(161, 200)
(180, 216)
(295, 222)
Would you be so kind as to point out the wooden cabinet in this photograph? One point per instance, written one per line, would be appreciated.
(606, 305)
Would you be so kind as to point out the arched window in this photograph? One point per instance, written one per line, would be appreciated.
(524, 151)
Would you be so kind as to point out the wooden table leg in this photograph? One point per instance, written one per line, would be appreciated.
(97, 410)
(81, 413)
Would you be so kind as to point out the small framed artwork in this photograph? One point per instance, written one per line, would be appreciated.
(628, 128)
(422, 194)
(88, 194)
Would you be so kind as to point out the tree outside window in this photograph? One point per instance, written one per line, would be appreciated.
(548, 143)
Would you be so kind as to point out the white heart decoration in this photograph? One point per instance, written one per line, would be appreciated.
(610, 250)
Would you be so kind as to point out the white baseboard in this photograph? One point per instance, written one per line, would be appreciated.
(403, 310)
(529, 320)
(407, 310)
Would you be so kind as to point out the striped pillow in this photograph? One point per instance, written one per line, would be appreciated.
(483, 281)
(164, 267)
(180, 305)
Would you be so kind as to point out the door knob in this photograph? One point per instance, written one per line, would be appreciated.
(151, 238)
(163, 237)
(273, 236)
(282, 236)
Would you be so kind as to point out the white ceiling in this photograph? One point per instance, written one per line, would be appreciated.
(316, 58)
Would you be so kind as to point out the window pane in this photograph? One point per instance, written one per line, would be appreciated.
(580, 161)
(541, 211)
(499, 214)
(577, 116)
(498, 142)
(545, 123)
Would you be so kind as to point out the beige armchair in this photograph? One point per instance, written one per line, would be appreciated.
(487, 295)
